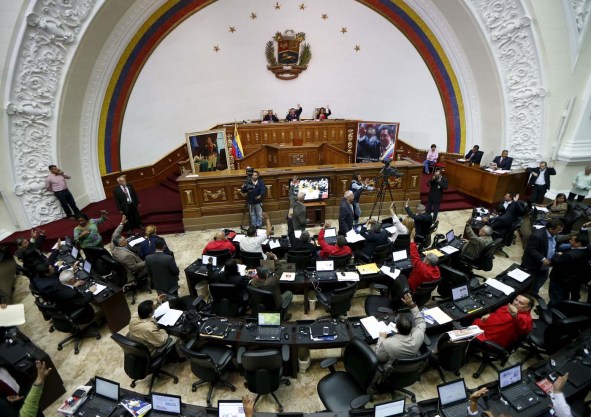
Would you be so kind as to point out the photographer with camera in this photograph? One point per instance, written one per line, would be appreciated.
(437, 185)
(254, 189)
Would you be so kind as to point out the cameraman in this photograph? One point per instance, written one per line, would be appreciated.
(437, 185)
(254, 188)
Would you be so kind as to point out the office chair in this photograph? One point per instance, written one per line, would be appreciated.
(450, 278)
(262, 301)
(66, 323)
(484, 262)
(389, 299)
(508, 237)
(338, 302)
(403, 372)
(251, 259)
(422, 294)
(382, 252)
(345, 390)
(450, 356)
(301, 258)
(489, 352)
(340, 261)
(119, 277)
(228, 300)
(222, 255)
(95, 257)
(263, 371)
(401, 242)
(138, 363)
(209, 364)
(423, 242)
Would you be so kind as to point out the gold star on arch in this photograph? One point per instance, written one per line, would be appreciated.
(324, 16)
(232, 29)
(343, 30)
(277, 6)
(357, 48)
(253, 16)
(302, 6)
(216, 48)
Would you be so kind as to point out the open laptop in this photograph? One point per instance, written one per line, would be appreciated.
(453, 241)
(71, 257)
(401, 260)
(269, 326)
(84, 273)
(453, 400)
(330, 235)
(105, 400)
(462, 299)
(165, 405)
(514, 390)
(230, 408)
(390, 409)
(209, 260)
(325, 270)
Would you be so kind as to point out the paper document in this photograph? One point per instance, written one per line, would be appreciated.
(266, 241)
(136, 241)
(386, 270)
(297, 233)
(287, 276)
(499, 286)
(438, 314)
(372, 326)
(12, 315)
(171, 317)
(162, 309)
(349, 276)
(518, 275)
(274, 243)
(392, 230)
(461, 160)
(242, 269)
(353, 237)
(467, 333)
(368, 269)
(238, 238)
(400, 255)
(542, 209)
(449, 249)
(437, 253)
(99, 288)
(539, 226)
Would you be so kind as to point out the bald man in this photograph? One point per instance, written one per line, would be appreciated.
(220, 242)
(298, 212)
(346, 213)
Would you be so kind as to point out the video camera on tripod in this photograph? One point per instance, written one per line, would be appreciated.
(388, 171)
(249, 185)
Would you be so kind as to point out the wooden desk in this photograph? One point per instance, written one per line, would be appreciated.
(483, 185)
(114, 306)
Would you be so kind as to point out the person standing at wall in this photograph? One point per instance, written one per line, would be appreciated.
(55, 182)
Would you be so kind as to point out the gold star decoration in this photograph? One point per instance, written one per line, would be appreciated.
(216, 48)
(343, 30)
(277, 6)
(302, 6)
(253, 16)
(232, 29)
(324, 16)
(357, 48)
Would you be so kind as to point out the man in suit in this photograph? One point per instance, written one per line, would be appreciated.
(162, 269)
(437, 185)
(374, 236)
(132, 263)
(69, 299)
(569, 269)
(476, 243)
(346, 213)
(503, 161)
(422, 220)
(294, 115)
(270, 117)
(297, 212)
(144, 329)
(509, 211)
(538, 253)
(475, 155)
(301, 243)
(127, 202)
(539, 179)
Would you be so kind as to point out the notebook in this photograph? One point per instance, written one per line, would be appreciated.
(390, 409)
(105, 400)
(453, 241)
(230, 408)
(462, 299)
(269, 326)
(165, 405)
(453, 401)
(325, 270)
(84, 273)
(330, 235)
(514, 390)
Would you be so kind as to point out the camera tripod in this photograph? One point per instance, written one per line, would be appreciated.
(385, 186)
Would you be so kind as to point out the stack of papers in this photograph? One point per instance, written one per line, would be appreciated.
(449, 249)
(437, 314)
(348, 276)
(386, 270)
(437, 253)
(288, 276)
(368, 269)
(353, 237)
(375, 327)
(12, 315)
(518, 275)
(499, 286)
(467, 333)
(168, 316)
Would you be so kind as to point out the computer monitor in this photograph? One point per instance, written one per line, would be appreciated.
(166, 403)
(390, 409)
(324, 266)
(87, 267)
(74, 252)
(449, 236)
(315, 188)
(269, 319)
(206, 259)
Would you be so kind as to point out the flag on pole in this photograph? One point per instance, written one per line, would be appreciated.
(237, 151)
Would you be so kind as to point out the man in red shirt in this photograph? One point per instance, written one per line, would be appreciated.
(508, 323)
(220, 242)
(422, 271)
(327, 250)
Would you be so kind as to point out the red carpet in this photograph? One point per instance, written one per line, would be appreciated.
(452, 198)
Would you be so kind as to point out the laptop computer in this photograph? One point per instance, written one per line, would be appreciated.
(105, 400)
(514, 390)
(269, 326)
(230, 408)
(84, 273)
(401, 260)
(390, 409)
(209, 260)
(165, 405)
(453, 241)
(71, 257)
(330, 235)
(325, 270)
(453, 400)
(462, 299)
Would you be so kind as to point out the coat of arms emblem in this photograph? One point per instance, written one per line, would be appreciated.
(292, 56)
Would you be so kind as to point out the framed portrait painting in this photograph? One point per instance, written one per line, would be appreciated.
(207, 150)
(376, 141)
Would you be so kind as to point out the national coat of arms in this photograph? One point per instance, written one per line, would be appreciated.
(292, 56)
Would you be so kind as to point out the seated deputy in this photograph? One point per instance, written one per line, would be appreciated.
(265, 281)
(422, 270)
(326, 250)
(124, 255)
(374, 236)
(220, 242)
(476, 243)
(230, 275)
(69, 299)
(301, 243)
(144, 329)
(253, 243)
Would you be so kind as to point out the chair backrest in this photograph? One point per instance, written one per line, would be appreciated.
(451, 355)
(562, 331)
(382, 252)
(406, 371)
(340, 261)
(423, 292)
(136, 356)
(227, 299)
(301, 258)
(202, 365)
(485, 260)
(340, 300)
(261, 300)
(117, 271)
(450, 278)
(222, 255)
(361, 362)
(574, 308)
(262, 370)
(401, 242)
(251, 259)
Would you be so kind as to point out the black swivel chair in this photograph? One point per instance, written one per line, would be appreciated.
(450, 278)
(422, 294)
(508, 237)
(263, 300)
(138, 363)
(340, 261)
(338, 302)
(221, 255)
(302, 258)
(424, 242)
(450, 356)
(119, 277)
(66, 323)
(489, 352)
(382, 253)
(484, 262)
(263, 371)
(251, 259)
(209, 364)
(228, 300)
(401, 242)
(389, 299)
(345, 390)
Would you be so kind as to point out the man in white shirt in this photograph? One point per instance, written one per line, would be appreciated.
(253, 243)
(540, 181)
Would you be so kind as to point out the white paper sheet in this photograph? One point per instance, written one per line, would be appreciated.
(136, 241)
(161, 310)
(391, 229)
(371, 325)
(238, 238)
(288, 276)
(518, 275)
(353, 237)
(399, 255)
(274, 243)
(12, 315)
(297, 233)
(542, 209)
(386, 270)
(99, 288)
(499, 286)
(170, 318)
(438, 314)
(349, 276)
(448, 249)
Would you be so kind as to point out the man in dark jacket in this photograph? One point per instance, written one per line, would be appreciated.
(346, 213)
(127, 202)
(569, 269)
(503, 161)
(301, 243)
(69, 299)
(422, 220)
(374, 237)
(437, 185)
(162, 269)
(475, 155)
(539, 180)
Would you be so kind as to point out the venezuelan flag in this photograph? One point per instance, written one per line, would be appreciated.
(237, 151)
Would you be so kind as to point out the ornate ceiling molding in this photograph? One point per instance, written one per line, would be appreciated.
(47, 44)
(577, 16)
(512, 44)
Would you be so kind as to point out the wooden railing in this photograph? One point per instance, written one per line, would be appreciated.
(403, 149)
